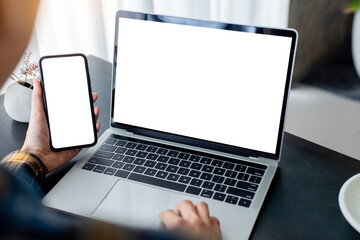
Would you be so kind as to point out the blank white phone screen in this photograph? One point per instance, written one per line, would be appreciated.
(67, 100)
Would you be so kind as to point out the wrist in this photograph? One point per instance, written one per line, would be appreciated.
(37, 155)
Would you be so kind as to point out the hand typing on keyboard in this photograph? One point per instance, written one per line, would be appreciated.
(37, 135)
(194, 219)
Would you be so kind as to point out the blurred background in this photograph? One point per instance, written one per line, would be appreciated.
(324, 105)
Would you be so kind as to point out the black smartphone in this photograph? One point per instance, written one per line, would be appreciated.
(68, 103)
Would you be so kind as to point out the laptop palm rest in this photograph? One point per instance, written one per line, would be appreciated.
(137, 205)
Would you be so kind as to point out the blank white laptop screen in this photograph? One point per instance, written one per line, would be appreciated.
(212, 84)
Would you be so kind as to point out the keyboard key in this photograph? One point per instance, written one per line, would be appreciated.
(139, 169)
(255, 179)
(172, 169)
(244, 202)
(220, 188)
(99, 169)
(141, 154)
(195, 158)
(104, 154)
(88, 166)
(217, 163)
(230, 181)
(152, 156)
(162, 151)
(120, 143)
(218, 179)
(161, 166)
(110, 171)
(122, 174)
(184, 163)
(207, 193)
(194, 173)
(128, 159)
(243, 176)
(141, 147)
(121, 150)
(157, 182)
(240, 193)
(228, 165)
(206, 176)
(173, 177)
(110, 141)
(118, 157)
(196, 166)
(196, 182)
(193, 190)
(174, 161)
(247, 186)
(207, 168)
(184, 156)
(231, 174)
(131, 145)
(208, 185)
(184, 179)
(184, 171)
(139, 161)
(163, 159)
(118, 164)
(172, 153)
(129, 167)
(219, 171)
(109, 148)
(205, 160)
(255, 171)
(101, 161)
(161, 174)
(240, 168)
(151, 149)
(231, 199)
(131, 152)
(150, 172)
(150, 163)
(219, 196)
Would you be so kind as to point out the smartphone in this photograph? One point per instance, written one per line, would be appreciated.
(68, 103)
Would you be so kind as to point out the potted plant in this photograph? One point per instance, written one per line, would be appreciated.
(355, 8)
(17, 100)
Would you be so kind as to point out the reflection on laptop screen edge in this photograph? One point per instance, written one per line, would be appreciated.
(197, 112)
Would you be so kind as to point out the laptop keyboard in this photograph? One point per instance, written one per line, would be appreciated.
(178, 169)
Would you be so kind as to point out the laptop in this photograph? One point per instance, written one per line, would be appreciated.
(197, 112)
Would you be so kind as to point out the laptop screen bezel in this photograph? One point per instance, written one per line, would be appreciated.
(193, 141)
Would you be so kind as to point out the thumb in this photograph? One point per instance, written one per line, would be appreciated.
(37, 106)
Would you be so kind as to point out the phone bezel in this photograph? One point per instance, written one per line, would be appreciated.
(90, 99)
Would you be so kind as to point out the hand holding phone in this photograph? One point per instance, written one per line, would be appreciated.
(67, 101)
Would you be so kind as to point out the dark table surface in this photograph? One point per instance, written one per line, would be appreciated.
(302, 202)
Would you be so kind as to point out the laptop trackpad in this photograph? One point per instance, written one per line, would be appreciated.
(137, 205)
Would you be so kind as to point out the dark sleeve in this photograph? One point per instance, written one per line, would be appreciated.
(24, 217)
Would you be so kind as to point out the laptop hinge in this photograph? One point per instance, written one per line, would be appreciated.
(254, 158)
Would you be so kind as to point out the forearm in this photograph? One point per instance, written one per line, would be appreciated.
(27, 167)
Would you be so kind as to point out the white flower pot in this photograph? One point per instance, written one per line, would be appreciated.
(17, 102)
(356, 41)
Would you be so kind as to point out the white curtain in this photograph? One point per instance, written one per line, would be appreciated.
(88, 26)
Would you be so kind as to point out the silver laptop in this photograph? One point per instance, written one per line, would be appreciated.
(197, 112)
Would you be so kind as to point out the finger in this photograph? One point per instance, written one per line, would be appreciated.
(203, 211)
(186, 209)
(171, 219)
(37, 106)
(215, 221)
(98, 124)
(94, 96)
(96, 112)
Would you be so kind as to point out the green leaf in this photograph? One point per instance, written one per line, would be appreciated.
(355, 5)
